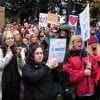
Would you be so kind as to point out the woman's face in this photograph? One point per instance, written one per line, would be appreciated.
(22, 30)
(42, 34)
(33, 39)
(77, 44)
(38, 55)
(73, 32)
(63, 33)
(94, 45)
(17, 35)
(9, 40)
(25, 41)
(47, 30)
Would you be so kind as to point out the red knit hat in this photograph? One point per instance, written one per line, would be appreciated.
(92, 39)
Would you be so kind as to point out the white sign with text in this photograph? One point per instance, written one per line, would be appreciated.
(85, 23)
(57, 49)
(43, 20)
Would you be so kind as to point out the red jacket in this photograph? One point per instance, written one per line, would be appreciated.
(75, 67)
(97, 58)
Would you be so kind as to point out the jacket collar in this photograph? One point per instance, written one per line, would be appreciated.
(78, 53)
(35, 64)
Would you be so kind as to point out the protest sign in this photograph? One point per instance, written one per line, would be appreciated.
(52, 19)
(2, 16)
(57, 49)
(43, 20)
(85, 23)
(73, 19)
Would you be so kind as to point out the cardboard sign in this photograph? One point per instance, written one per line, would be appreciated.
(2, 16)
(52, 19)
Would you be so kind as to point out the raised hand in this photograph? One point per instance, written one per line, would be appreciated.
(18, 50)
(52, 63)
(9, 50)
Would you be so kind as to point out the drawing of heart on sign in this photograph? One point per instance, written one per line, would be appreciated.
(73, 20)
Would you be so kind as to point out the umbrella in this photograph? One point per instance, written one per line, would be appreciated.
(65, 27)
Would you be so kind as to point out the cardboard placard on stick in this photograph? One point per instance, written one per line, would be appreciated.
(52, 19)
(2, 16)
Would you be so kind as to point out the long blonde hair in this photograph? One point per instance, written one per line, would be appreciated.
(90, 50)
(72, 40)
(5, 35)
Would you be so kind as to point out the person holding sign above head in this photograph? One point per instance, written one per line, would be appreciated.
(81, 68)
(38, 76)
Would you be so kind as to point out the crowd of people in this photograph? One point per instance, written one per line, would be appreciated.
(26, 73)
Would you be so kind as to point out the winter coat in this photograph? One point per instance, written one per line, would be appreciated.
(10, 71)
(11, 81)
(3, 62)
(97, 59)
(75, 67)
(39, 82)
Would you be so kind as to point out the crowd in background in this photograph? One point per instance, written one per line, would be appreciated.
(27, 74)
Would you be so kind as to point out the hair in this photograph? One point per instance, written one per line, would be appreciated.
(4, 46)
(26, 38)
(18, 33)
(33, 35)
(72, 40)
(42, 31)
(4, 37)
(39, 36)
(32, 51)
(90, 50)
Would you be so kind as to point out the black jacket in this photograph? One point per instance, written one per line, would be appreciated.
(39, 82)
